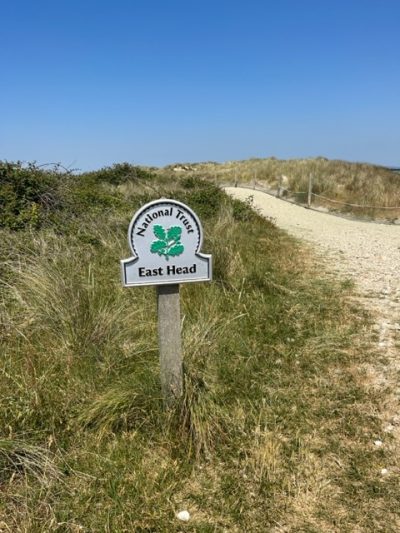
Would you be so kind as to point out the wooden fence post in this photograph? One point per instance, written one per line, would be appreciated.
(309, 196)
(279, 191)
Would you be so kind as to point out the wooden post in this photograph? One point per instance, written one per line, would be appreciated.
(254, 179)
(169, 338)
(279, 191)
(309, 197)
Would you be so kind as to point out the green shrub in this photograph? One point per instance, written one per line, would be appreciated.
(88, 195)
(243, 211)
(120, 173)
(190, 182)
(204, 198)
(31, 197)
(27, 195)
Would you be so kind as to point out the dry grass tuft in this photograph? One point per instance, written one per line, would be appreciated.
(19, 458)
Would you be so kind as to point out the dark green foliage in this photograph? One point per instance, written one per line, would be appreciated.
(27, 195)
(190, 182)
(120, 173)
(86, 195)
(203, 197)
(33, 197)
(243, 211)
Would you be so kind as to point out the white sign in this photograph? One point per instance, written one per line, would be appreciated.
(165, 237)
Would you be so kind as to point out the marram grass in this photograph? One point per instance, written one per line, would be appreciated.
(342, 182)
(276, 427)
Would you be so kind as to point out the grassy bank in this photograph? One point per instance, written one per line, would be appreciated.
(339, 181)
(277, 426)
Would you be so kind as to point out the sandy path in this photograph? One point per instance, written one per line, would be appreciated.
(366, 252)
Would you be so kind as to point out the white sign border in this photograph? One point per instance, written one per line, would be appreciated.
(135, 257)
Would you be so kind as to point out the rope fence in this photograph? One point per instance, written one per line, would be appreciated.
(278, 193)
(355, 205)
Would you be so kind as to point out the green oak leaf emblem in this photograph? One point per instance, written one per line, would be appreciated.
(168, 241)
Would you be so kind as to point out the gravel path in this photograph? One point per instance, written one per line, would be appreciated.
(366, 252)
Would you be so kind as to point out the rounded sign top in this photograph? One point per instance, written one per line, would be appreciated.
(165, 237)
(171, 226)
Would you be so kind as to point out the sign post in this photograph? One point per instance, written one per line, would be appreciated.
(169, 339)
(165, 237)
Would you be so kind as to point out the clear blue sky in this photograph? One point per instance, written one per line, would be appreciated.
(91, 82)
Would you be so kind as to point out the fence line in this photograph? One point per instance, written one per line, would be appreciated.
(342, 203)
(280, 189)
(275, 194)
(355, 205)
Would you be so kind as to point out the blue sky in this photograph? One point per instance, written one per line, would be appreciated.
(89, 83)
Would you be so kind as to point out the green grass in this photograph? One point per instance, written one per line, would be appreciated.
(276, 427)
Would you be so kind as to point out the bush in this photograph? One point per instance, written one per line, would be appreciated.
(244, 211)
(120, 173)
(86, 194)
(27, 194)
(33, 197)
(203, 197)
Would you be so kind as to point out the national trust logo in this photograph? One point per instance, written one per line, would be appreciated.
(168, 241)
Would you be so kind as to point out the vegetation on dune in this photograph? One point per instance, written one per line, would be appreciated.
(276, 427)
(339, 181)
(32, 196)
